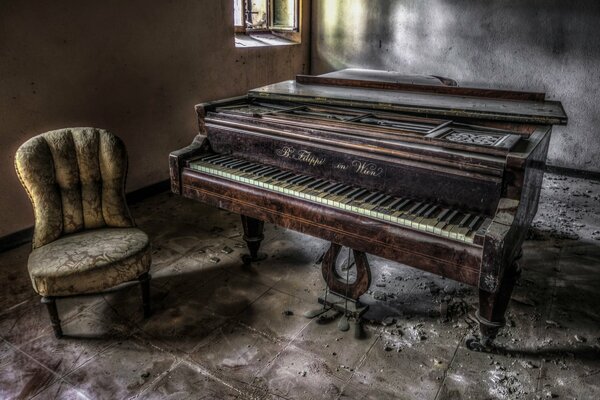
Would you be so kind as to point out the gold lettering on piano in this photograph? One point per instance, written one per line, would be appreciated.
(304, 156)
(367, 168)
(341, 166)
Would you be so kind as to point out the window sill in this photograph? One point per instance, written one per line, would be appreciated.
(261, 40)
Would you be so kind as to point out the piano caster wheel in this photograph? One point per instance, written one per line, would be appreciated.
(475, 344)
(248, 259)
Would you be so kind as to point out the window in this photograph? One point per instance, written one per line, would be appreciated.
(273, 16)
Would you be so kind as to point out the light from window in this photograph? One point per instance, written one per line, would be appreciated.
(256, 15)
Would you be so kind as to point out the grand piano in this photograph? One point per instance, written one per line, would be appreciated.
(415, 169)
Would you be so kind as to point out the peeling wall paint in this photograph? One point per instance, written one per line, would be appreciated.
(132, 67)
(551, 46)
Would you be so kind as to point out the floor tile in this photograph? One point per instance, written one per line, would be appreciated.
(276, 315)
(236, 353)
(297, 374)
(121, 371)
(20, 376)
(187, 381)
(63, 391)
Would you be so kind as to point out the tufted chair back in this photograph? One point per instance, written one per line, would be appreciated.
(75, 179)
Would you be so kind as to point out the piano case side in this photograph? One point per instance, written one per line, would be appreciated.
(516, 209)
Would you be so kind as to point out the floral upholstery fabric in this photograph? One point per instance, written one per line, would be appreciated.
(75, 179)
(89, 261)
(84, 238)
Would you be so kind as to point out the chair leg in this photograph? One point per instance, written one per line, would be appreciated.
(145, 285)
(50, 303)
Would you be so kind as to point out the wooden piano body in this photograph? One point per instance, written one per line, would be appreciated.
(441, 178)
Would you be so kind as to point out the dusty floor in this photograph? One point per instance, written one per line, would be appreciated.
(221, 330)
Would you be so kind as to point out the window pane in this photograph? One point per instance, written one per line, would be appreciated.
(259, 13)
(284, 14)
(238, 12)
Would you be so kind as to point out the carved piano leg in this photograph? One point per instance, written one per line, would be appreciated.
(253, 236)
(492, 308)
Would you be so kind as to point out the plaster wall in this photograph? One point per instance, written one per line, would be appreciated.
(545, 45)
(133, 67)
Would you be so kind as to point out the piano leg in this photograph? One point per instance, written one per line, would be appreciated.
(492, 308)
(253, 236)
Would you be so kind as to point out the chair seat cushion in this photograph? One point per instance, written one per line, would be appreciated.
(89, 261)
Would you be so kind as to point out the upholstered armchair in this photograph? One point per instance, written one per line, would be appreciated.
(84, 240)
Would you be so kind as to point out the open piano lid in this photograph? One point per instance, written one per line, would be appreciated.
(380, 90)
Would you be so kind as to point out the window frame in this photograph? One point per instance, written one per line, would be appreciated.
(270, 28)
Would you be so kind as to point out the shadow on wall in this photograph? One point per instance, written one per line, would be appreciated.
(492, 40)
(536, 45)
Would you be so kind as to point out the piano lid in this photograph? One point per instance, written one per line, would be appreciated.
(429, 95)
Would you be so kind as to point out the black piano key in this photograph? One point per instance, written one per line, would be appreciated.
(474, 222)
(369, 197)
(340, 192)
(383, 200)
(261, 170)
(306, 183)
(464, 220)
(328, 187)
(251, 167)
(352, 192)
(248, 173)
(359, 194)
(430, 211)
(349, 196)
(210, 157)
(295, 179)
(377, 198)
(450, 217)
(282, 179)
(316, 188)
(414, 208)
(403, 205)
(335, 188)
(218, 160)
(443, 214)
(315, 184)
(279, 175)
(226, 164)
(269, 171)
(304, 180)
(239, 164)
(395, 202)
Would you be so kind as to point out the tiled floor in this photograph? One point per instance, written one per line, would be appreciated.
(224, 331)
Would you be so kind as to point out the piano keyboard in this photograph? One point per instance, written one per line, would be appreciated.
(413, 213)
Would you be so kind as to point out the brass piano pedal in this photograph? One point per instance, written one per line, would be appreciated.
(328, 316)
(343, 324)
(315, 312)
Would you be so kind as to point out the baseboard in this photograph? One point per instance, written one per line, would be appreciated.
(138, 195)
(574, 173)
(18, 238)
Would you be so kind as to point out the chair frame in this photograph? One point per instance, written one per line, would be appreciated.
(50, 303)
